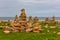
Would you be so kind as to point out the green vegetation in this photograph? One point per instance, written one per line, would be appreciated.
(44, 35)
(3, 23)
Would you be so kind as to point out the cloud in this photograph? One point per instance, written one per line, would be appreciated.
(32, 7)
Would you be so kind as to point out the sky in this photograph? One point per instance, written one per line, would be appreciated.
(40, 8)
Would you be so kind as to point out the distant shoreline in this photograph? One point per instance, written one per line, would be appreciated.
(40, 18)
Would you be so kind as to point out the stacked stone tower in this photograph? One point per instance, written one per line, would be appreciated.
(47, 19)
(35, 20)
(53, 18)
(16, 18)
(22, 15)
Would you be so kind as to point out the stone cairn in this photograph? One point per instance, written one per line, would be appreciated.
(21, 24)
(53, 19)
(16, 18)
(35, 20)
(47, 19)
(30, 19)
(23, 15)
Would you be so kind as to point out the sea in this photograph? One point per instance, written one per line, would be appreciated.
(12, 18)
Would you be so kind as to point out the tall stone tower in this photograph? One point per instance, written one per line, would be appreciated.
(30, 19)
(47, 19)
(23, 15)
(53, 18)
(35, 20)
(16, 18)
